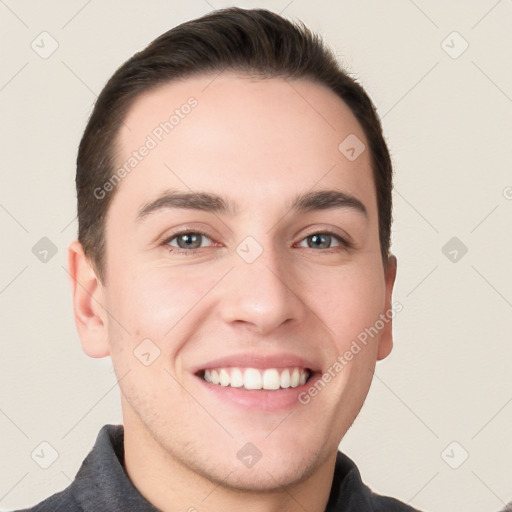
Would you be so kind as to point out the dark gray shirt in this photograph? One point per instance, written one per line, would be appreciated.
(102, 485)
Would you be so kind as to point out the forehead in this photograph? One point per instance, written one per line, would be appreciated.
(260, 138)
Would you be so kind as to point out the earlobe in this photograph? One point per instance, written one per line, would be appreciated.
(88, 298)
(386, 339)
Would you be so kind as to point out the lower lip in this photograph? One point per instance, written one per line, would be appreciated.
(260, 399)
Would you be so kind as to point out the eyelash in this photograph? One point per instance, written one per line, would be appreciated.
(344, 244)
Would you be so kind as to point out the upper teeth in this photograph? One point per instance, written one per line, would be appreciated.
(253, 378)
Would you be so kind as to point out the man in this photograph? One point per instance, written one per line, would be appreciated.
(234, 206)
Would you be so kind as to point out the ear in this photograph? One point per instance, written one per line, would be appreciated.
(386, 339)
(91, 318)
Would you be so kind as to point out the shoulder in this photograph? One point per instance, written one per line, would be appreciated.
(350, 494)
(96, 470)
(387, 504)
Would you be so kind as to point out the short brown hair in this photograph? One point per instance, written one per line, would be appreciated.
(253, 41)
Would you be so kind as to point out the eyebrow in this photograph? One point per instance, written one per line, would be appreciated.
(209, 202)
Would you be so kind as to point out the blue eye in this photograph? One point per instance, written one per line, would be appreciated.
(188, 241)
(320, 240)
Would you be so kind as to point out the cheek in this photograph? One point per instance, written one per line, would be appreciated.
(348, 301)
(149, 322)
(152, 301)
(350, 304)
(165, 306)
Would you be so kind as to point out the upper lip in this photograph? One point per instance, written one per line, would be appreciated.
(258, 360)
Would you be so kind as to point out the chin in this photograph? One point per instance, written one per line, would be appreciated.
(266, 478)
(272, 472)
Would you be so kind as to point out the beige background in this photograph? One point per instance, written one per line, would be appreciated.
(449, 126)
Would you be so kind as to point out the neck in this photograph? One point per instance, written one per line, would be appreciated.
(170, 485)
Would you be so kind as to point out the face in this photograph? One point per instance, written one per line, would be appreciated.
(267, 283)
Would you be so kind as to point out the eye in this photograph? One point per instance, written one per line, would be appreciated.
(186, 241)
(323, 240)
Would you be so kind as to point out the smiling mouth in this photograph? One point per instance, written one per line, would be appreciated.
(255, 378)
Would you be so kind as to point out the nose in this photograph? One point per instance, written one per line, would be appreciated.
(262, 295)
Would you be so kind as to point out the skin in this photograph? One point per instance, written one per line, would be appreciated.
(260, 142)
